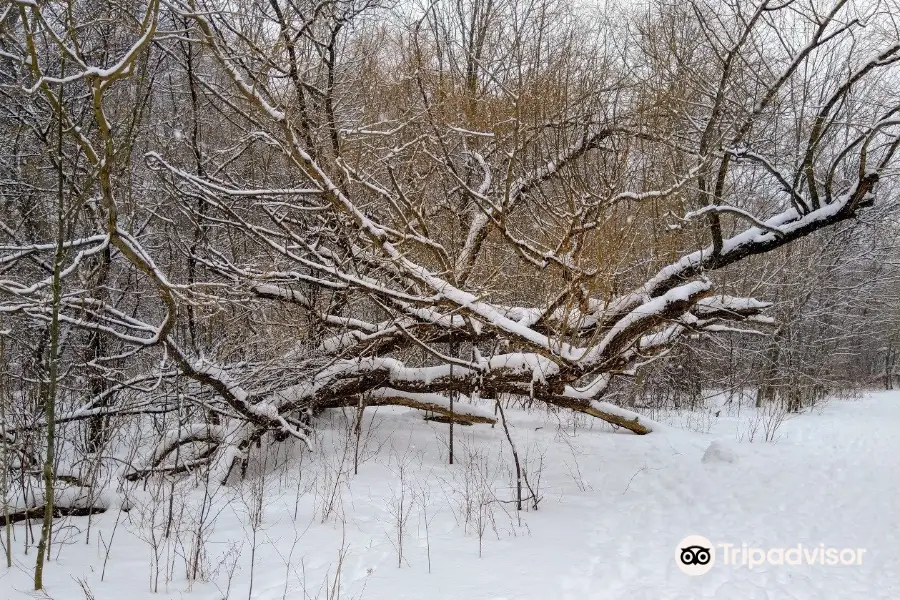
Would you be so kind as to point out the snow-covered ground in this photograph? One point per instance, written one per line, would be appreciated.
(614, 507)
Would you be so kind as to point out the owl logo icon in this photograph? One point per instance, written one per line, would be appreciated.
(695, 555)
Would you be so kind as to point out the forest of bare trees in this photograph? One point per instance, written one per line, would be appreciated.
(220, 219)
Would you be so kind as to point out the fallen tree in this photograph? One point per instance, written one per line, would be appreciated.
(424, 233)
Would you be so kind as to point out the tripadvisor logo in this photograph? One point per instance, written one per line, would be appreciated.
(696, 555)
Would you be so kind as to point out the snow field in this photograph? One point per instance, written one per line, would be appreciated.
(408, 526)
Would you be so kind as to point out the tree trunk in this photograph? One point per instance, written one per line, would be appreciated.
(48, 387)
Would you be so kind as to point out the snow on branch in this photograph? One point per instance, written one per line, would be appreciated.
(435, 403)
